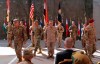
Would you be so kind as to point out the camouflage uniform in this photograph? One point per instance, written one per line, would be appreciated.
(50, 36)
(32, 35)
(73, 32)
(60, 31)
(91, 37)
(20, 36)
(9, 34)
(37, 38)
(84, 38)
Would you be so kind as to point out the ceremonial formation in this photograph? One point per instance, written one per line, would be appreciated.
(54, 33)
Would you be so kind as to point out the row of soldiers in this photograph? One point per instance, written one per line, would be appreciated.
(17, 32)
(50, 34)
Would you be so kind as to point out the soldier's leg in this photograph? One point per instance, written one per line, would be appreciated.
(32, 40)
(60, 41)
(48, 46)
(39, 46)
(18, 48)
(36, 47)
(52, 48)
(89, 50)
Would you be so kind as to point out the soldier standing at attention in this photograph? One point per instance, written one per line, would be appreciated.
(73, 31)
(91, 38)
(50, 38)
(20, 36)
(60, 31)
(9, 28)
(32, 34)
(38, 31)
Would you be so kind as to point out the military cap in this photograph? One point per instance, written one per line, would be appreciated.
(15, 20)
(91, 21)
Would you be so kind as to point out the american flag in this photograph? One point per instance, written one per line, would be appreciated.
(32, 12)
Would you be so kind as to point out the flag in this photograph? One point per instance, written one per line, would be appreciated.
(59, 13)
(32, 11)
(67, 28)
(79, 29)
(8, 9)
(4, 26)
(46, 20)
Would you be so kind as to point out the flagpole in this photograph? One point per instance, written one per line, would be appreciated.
(8, 10)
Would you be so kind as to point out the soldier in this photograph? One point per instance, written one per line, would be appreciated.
(60, 31)
(27, 55)
(73, 31)
(20, 36)
(50, 38)
(9, 28)
(37, 32)
(32, 34)
(91, 38)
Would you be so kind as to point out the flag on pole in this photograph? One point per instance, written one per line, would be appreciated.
(79, 29)
(32, 11)
(46, 20)
(8, 9)
(67, 28)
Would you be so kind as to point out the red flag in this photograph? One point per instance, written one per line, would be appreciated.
(79, 29)
(32, 12)
(8, 9)
(46, 20)
(67, 30)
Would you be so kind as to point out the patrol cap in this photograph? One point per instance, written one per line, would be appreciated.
(14, 20)
(91, 20)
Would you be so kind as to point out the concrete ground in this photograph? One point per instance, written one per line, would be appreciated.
(8, 56)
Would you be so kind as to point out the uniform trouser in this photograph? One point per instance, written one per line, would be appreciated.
(37, 45)
(83, 43)
(59, 40)
(50, 46)
(9, 39)
(90, 49)
(74, 39)
(32, 40)
(18, 48)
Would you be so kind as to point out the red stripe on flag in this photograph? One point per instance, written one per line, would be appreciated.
(31, 11)
(79, 29)
(46, 20)
(67, 30)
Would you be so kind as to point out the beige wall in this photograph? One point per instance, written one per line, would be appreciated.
(96, 15)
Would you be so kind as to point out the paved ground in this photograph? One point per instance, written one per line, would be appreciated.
(8, 56)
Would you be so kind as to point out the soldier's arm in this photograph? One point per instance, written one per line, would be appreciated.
(62, 29)
(25, 35)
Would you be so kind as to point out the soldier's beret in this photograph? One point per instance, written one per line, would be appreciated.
(15, 20)
(91, 21)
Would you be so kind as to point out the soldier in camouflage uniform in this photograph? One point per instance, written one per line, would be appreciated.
(73, 31)
(9, 28)
(60, 31)
(50, 38)
(27, 55)
(91, 38)
(20, 36)
(32, 34)
(38, 31)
